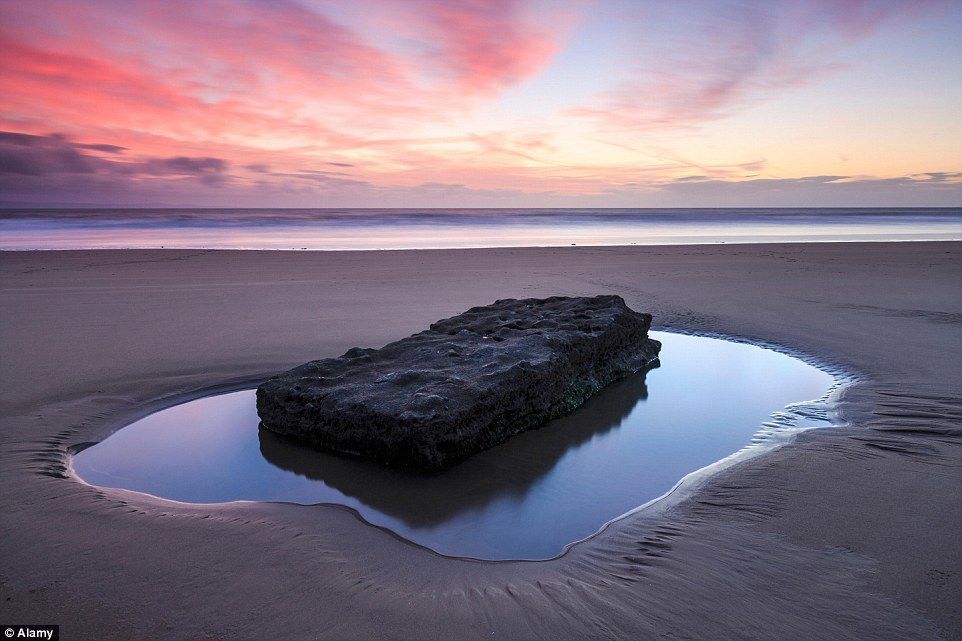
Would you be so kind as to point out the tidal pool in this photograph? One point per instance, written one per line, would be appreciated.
(526, 499)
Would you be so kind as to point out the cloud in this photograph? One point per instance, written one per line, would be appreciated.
(486, 45)
(184, 165)
(257, 71)
(109, 149)
(51, 158)
(942, 190)
(722, 56)
(28, 155)
(208, 170)
(275, 84)
(940, 176)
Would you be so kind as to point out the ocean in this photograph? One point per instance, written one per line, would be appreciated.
(360, 229)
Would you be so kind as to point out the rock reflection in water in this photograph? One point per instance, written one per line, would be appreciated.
(510, 469)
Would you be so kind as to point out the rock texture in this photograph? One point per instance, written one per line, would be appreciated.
(464, 385)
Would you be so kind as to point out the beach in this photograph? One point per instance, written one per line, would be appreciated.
(848, 532)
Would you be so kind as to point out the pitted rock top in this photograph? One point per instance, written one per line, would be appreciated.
(465, 384)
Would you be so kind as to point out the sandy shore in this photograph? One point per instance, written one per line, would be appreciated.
(847, 533)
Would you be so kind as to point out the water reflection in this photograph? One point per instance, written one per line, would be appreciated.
(506, 471)
(527, 498)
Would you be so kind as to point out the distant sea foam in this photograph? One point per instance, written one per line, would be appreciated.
(359, 229)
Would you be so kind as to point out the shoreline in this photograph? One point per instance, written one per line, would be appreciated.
(824, 537)
(293, 250)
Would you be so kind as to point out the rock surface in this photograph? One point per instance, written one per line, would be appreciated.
(464, 385)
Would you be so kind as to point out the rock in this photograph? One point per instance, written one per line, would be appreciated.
(466, 384)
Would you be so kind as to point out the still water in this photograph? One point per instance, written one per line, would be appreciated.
(527, 498)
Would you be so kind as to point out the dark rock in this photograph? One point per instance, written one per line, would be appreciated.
(508, 470)
(464, 385)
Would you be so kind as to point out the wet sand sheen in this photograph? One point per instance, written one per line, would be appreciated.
(626, 446)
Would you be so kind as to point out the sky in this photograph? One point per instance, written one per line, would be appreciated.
(464, 103)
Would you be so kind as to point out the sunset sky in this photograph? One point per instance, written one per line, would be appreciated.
(505, 103)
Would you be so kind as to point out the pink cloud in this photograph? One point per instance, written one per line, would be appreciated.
(489, 44)
(275, 83)
(205, 66)
(253, 65)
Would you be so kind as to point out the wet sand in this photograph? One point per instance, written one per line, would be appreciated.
(848, 532)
